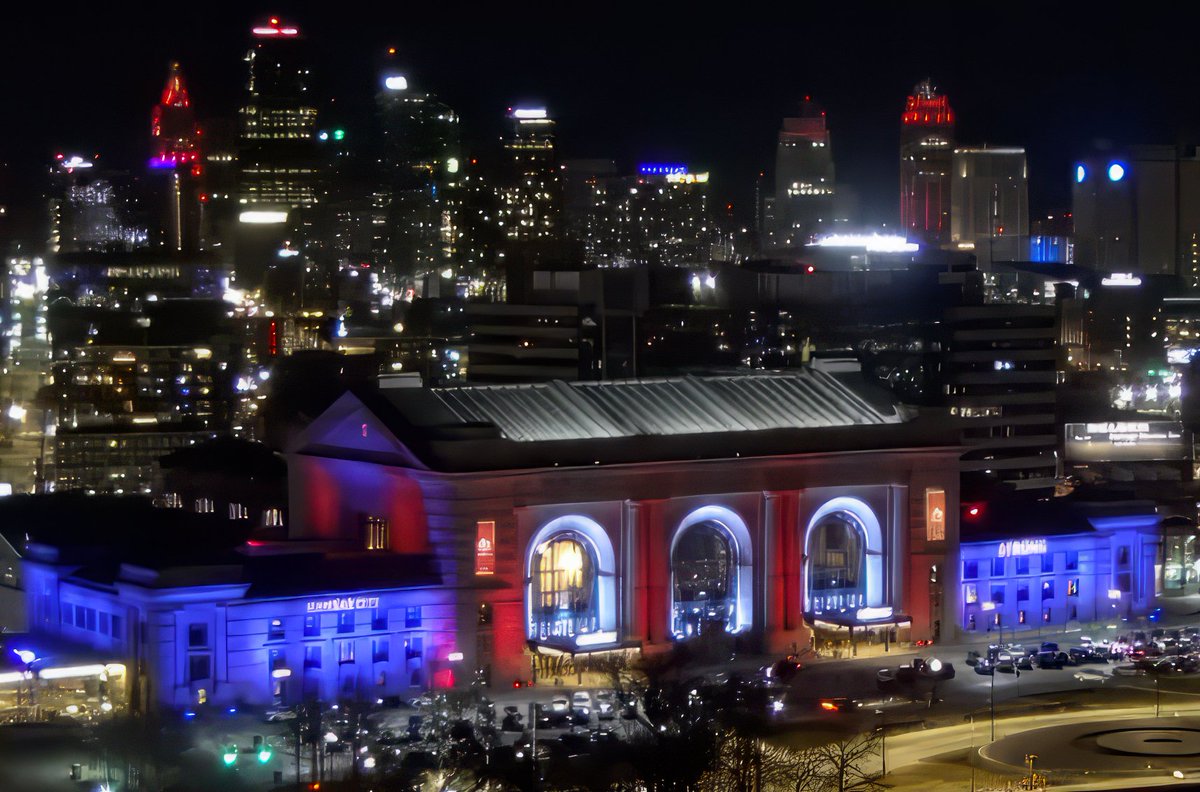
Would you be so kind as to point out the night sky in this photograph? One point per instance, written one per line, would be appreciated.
(633, 83)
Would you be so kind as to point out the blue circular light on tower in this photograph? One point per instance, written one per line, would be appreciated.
(1116, 172)
(1080, 174)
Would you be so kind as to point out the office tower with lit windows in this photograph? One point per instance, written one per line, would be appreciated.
(92, 208)
(177, 155)
(278, 161)
(530, 190)
(420, 163)
(926, 158)
(989, 200)
(803, 178)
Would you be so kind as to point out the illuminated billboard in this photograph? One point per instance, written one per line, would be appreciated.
(1126, 441)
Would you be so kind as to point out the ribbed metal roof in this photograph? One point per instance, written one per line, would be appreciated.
(653, 407)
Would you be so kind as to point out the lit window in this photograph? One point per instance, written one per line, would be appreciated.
(345, 651)
(1020, 617)
(275, 632)
(378, 534)
(970, 593)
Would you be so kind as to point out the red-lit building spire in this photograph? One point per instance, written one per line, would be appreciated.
(926, 154)
(173, 126)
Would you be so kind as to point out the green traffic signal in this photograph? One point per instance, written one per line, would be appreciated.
(230, 755)
(264, 754)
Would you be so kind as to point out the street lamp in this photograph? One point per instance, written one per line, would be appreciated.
(882, 739)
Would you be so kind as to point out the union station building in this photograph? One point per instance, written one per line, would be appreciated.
(590, 517)
(436, 537)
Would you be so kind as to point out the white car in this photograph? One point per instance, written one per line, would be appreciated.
(581, 700)
(560, 705)
(1085, 675)
(605, 706)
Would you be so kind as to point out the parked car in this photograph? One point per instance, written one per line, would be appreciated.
(581, 701)
(1087, 654)
(512, 720)
(605, 705)
(1051, 659)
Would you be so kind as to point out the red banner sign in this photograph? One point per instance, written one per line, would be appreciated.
(485, 548)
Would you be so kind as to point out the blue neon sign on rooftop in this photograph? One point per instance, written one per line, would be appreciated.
(661, 168)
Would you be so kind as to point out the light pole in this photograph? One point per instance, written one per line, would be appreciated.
(993, 685)
(882, 739)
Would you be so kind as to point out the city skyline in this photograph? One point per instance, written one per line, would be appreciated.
(625, 100)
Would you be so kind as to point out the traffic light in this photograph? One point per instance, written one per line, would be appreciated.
(264, 754)
(230, 755)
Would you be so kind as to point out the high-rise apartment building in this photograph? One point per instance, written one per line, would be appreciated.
(926, 154)
(804, 177)
(420, 163)
(278, 161)
(529, 192)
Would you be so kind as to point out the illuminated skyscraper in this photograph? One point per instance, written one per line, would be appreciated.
(990, 203)
(177, 151)
(278, 159)
(421, 163)
(530, 192)
(926, 154)
(803, 177)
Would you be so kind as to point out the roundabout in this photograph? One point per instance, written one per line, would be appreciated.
(1101, 746)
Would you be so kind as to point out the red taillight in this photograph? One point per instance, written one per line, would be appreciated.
(828, 706)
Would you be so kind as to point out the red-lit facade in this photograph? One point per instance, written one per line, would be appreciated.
(926, 155)
(550, 555)
(177, 151)
(173, 125)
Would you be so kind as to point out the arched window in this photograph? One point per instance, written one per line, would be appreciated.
(844, 567)
(566, 578)
(711, 573)
(837, 561)
(702, 567)
(570, 594)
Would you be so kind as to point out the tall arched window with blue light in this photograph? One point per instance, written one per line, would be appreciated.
(703, 565)
(837, 558)
(564, 591)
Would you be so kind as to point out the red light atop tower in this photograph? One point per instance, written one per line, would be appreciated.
(274, 28)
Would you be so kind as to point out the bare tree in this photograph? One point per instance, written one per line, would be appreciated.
(746, 763)
(844, 764)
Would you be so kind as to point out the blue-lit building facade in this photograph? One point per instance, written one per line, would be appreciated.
(1045, 565)
(254, 629)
